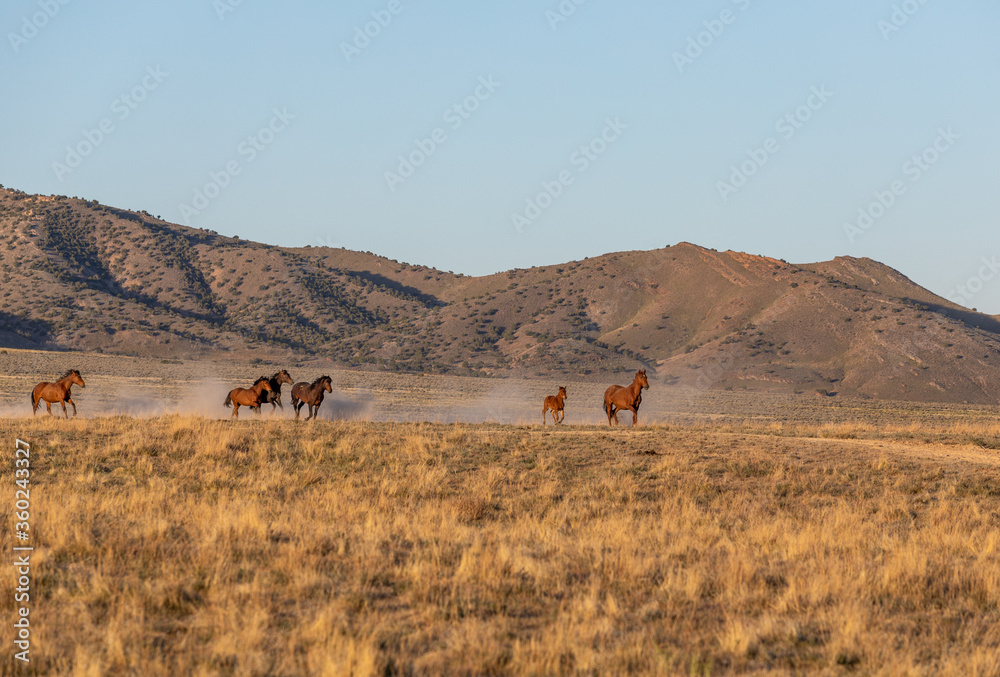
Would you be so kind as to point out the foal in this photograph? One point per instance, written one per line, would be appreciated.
(556, 405)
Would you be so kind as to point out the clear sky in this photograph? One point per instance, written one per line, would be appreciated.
(627, 125)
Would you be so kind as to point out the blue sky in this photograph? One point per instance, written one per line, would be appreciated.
(602, 126)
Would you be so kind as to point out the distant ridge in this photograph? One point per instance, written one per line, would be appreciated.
(79, 275)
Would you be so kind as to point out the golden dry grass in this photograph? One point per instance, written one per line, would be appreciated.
(181, 545)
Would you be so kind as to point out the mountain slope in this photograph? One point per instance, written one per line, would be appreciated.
(79, 275)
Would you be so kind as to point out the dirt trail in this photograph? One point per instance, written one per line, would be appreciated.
(942, 453)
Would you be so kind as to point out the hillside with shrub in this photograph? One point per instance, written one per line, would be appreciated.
(79, 275)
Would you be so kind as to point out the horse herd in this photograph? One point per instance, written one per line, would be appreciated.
(268, 390)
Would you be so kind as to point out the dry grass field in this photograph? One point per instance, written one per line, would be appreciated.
(178, 544)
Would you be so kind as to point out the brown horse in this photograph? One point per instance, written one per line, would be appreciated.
(57, 392)
(249, 397)
(274, 394)
(556, 405)
(617, 398)
(310, 394)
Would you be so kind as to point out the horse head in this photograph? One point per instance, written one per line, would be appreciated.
(265, 381)
(327, 383)
(640, 378)
(562, 392)
(75, 377)
(283, 377)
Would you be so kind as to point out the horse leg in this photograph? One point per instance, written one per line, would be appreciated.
(296, 406)
(48, 407)
(70, 400)
(236, 411)
(545, 411)
(635, 416)
(562, 415)
(63, 403)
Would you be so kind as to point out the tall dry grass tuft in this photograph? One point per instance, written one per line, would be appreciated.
(181, 545)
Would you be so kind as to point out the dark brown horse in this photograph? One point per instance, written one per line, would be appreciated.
(57, 392)
(248, 397)
(310, 394)
(617, 398)
(274, 394)
(556, 405)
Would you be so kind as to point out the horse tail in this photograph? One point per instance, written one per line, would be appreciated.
(31, 396)
(229, 400)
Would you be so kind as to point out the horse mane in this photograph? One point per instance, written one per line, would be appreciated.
(262, 378)
(321, 379)
(69, 373)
